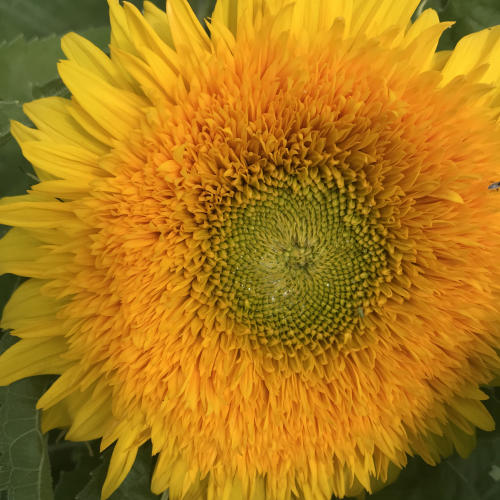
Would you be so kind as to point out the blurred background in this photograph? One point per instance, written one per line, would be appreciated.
(37, 467)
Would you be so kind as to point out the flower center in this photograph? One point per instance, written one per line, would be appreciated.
(296, 262)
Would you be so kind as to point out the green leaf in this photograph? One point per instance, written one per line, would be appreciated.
(30, 64)
(471, 16)
(8, 283)
(24, 462)
(83, 459)
(35, 18)
(92, 490)
(33, 64)
(16, 174)
(39, 19)
(202, 8)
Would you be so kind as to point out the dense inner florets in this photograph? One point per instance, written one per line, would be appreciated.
(285, 227)
(297, 262)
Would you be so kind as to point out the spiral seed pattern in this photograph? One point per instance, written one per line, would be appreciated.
(298, 264)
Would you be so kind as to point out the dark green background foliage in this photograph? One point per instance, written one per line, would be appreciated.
(37, 467)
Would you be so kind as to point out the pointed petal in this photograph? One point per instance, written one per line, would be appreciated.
(30, 357)
(117, 110)
(121, 462)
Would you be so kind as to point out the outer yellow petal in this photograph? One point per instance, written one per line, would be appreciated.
(439, 59)
(72, 189)
(152, 85)
(121, 462)
(422, 39)
(24, 254)
(63, 387)
(186, 29)
(93, 59)
(39, 215)
(245, 15)
(30, 357)
(56, 417)
(62, 160)
(23, 133)
(226, 13)
(89, 124)
(475, 412)
(164, 469)
(19, 250)
(106, 103)
(120, 35)
(145, 37)
(463, 442)
(471, 52)
(92, 416)
(158, 19)
(52, 117)
(310, 21)
(373, 17)
(427, 19)
(26, 304)
(38, 329)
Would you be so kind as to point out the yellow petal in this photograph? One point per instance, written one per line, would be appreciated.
(22, 133)
(65, 385)
(177, 475)
(89, 124)
(56, 417)
(121, 462)
(439, 59)
(373, 17)
(426, 20)
(90, 57)
(158, 20)
(38, 215)
(463, 442)
(65, 161)
(226, 13)
(449, 195)
(186, 29)
(472, 51)
(51, 116)
(115, 109)
(153, 86)
(38, 329)
(64, 189)
(28, 303)
(321, 17)
(30, 357)
(144, 36)
(93, 416)
(18, 248)
(120, 36)
(475, 412)
(422, 39)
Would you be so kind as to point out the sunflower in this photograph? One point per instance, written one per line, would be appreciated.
(271, 250)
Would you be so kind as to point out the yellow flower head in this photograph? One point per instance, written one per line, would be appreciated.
(271, 250)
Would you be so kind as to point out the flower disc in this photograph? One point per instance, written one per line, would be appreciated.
(272, 251)
(297, 264)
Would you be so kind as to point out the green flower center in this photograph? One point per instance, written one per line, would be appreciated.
(297, 263)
